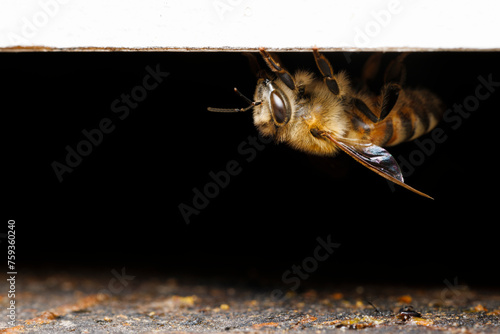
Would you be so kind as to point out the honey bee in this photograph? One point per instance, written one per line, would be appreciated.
(328, 115)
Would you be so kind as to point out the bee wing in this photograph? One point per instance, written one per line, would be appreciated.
(373, 157)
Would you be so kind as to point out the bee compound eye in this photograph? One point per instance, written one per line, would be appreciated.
(279, 108)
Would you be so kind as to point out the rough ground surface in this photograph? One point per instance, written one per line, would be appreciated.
(121, 304)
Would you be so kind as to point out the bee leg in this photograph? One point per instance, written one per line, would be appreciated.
(394, 77)
(329, 78)
(361, 106)
(396, 71)
(326, 70)
(371, 67)
(275, 66)
(255, 67)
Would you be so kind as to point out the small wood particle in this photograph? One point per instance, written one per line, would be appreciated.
(406, 299)
(266, 324)
(480, 308)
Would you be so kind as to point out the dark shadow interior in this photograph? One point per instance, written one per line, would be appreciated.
(119, 205)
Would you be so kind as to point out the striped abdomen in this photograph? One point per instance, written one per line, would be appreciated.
(415, 113)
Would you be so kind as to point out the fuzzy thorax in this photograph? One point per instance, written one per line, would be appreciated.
(312, 105)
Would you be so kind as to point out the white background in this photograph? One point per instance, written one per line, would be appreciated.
(249, 24)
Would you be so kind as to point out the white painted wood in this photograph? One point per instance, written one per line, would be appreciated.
(249, 24)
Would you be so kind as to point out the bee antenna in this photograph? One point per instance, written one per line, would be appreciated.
(252, 104)
(243, 96)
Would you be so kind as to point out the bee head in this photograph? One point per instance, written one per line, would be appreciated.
(275, 110)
